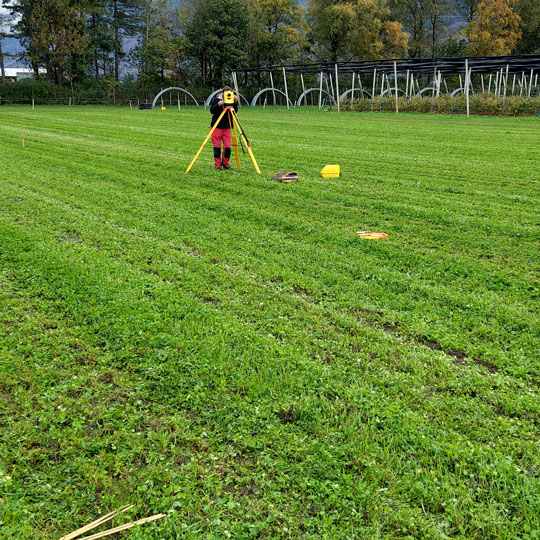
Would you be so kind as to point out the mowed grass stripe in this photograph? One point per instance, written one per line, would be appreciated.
(370, 402)
(386, 381)
(451, 266)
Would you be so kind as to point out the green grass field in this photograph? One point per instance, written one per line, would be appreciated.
(224, 348)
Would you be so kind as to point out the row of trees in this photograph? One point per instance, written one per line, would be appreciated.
(203, 39)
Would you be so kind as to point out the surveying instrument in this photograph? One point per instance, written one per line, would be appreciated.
(236, 128)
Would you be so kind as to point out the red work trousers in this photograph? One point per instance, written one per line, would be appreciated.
(219, 136)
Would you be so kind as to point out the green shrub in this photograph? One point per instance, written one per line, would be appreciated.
(478, 104)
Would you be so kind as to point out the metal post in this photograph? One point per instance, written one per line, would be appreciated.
(373, 92)
(467, 84)
(337, 87)
(320, 91)
(352, 91)
(395, 84)
(273, 89)
(505, 85)
(235, 81)
(303, 89)
(407, 86)
(286, 91)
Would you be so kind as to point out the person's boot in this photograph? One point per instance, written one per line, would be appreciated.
(225, 162)
(217, 157)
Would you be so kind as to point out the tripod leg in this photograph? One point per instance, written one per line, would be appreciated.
(232, 123)
(253, 160)
(205, 141)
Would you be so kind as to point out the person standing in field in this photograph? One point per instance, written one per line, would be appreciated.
(222, 133)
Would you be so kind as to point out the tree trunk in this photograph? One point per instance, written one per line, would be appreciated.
(2, 68)
(117, 42)
(96, 63)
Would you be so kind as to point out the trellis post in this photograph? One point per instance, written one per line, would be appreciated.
(352, 91)
(303, 89)
(373, 92)
(273, 89)
(235, 81)
(395, 84)
(320, 91)
(505, 85)
(467, 84)
(286, 90)
(407, 85)
(337, 87)
(360, 86)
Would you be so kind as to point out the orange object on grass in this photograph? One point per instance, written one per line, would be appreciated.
(372, 235)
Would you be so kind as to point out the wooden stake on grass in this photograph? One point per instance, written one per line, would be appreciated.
(123, 527)
(96, 523)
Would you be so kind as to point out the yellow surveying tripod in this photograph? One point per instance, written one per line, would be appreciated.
(236, 127)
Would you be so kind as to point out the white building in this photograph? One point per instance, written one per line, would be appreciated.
(17, 73)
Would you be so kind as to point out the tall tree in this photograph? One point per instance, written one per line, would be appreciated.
(53, 33)
(123, 16)
(353, 29)
(100, 38)
(276, 31)
(529, 11)
(467, 8)
(216, 34)
(436, 11)
(2, 67)
(160, 49)
(495, 29)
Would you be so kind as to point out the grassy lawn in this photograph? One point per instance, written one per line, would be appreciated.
(224, 348)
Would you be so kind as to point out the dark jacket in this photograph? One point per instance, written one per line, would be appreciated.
(216, 110)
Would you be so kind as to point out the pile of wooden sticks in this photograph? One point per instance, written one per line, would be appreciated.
(104, 519)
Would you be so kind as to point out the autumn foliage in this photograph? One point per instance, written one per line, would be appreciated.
(495, 29)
